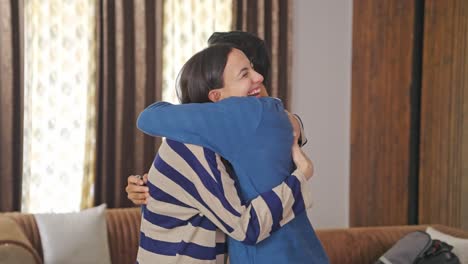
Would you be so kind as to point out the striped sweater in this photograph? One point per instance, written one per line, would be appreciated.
(193, 201)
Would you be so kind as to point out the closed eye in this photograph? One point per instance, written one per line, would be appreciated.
(244, 72)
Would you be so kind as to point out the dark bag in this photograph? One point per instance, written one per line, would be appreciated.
(418, 248)
(438, 252)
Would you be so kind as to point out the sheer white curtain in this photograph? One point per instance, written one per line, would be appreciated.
(60, 70)
(60, 74)
(187, 26)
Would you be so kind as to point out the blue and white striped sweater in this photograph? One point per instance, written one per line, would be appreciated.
(193, 201)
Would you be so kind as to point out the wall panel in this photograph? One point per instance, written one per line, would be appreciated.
(381, 114)
(443, 178)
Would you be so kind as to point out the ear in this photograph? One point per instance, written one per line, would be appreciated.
(215, 95)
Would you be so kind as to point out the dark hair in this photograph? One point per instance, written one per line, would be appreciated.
(202, 73)
(253, 47)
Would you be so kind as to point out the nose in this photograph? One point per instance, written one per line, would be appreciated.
(257, 77)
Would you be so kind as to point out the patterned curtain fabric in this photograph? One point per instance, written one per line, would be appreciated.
(60, 70)
(129, 79)
(187, 26)
(11, 103)
(271, 21)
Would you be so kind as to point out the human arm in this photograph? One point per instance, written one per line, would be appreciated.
(216, 197)
(220, 126)
(139, 194)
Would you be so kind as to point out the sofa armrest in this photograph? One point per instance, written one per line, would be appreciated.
(14, 246)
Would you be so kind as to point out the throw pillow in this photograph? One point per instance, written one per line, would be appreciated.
(460, 245)
(75, 237)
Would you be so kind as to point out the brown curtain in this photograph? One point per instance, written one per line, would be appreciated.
(130, 77)
(11, 104)
(271, 21)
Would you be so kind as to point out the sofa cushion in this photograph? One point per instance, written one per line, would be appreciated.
(74, 237)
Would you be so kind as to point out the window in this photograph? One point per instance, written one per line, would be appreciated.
(187, 26)
(60, 69)
(60, 73)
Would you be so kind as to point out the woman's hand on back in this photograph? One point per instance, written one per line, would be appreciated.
(296, 126)
(136, 189)
(303, 163)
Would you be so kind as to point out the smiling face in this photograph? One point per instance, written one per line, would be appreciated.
(240, 79)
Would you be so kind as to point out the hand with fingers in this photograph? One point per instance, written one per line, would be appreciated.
(136, 189)
(295, 125)
(303, 163)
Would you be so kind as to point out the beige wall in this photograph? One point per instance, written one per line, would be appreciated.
(321, 80)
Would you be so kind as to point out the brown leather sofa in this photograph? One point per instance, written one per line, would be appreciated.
(349, 245)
